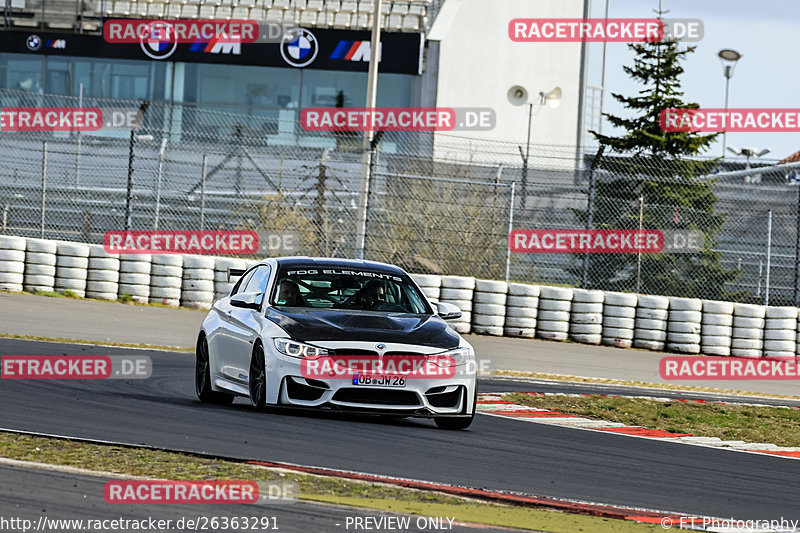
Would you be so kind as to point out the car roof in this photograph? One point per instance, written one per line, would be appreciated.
(330, 262)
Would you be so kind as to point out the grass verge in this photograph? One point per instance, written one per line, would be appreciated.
(750, 423)
(178, 466)
(182, 349)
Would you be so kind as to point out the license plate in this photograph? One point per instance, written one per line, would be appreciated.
(369, 380)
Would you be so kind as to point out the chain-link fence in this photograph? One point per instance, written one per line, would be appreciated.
(430, 209)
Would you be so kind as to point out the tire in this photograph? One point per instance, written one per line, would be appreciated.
(747, 333)
(72, 249)
(524, 323)
(554, 305)
(129, 278)
(71, 273)
(38, 288)
(188, 297)
(102, 286)
(654, 314)
(618, 311)
(461, 327)
(746, 353)
(648, 323)
(164, 281)
(427, 280)
(170, 293)
(779, 346)
(683, 348)
(496, 331)
(749, 311)
(526, 333)
(522, 301)
(554, 316)
(656, 346)
(167, 271)
(15, 267)
(97, 251)
(650, 335)
(685, 316)
(587, 296)
(620, 299)
(172, 260)
(103, 263)
(617, 342)
(39, 280)
(198, 285)
(488, 320)
(485, 285)
(257, 382)
(14, 278)
(552, 326)
(136, 258)
(134, 267)
(136, 291)
(11, 287)
(649, 301)
(432, 293)
(683, 327)
(618, 322)
(198, 261)
(581, 307)
(68, 261)
(552, 335)
(12, 255)
(715, 340)
(464, 305)
(780, 323)
(202, 377)
(617, 333)
(455, 424)
(586, 318)
(556, 293)
(723, 331)
(723, 351)
(111, 276)
(9, 242)
(717, 320)
(780, 335)
(458, 282)
(522, 312)
(40, 270)
(583, 338)
(781, 312)
(36, 258)
(585, 329)
(523, 289)
(494, 298)
(747, 344)
(448, 294)
(685, 304)
(171, 302)
(780, 356)
(683, 338)
(70, 284)
(746, 322)
(101, 295)
(718, 308)
(41, 246)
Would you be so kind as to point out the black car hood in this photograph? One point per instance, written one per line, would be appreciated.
(305, 324)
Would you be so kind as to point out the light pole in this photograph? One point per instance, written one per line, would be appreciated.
(129, 195)
(728, 58)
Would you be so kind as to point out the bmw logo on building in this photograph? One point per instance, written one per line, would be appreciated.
(157, 45)
(33, 42)
(299, 47)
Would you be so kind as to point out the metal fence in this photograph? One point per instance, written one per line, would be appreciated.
(430, 208)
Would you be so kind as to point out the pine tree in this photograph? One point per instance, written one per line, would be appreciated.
(663, 169)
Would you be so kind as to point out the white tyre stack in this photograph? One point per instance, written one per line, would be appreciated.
(619, 319)
(12, 263)
(586, 316)
(430, 284)
(40, 265)
(102, 278)
(222, 287)
(552, 321)
(522, 308)
(489, 307)
(166, 278)
(72, 262)
(650, 326)
(458, 290)
(198, 282)
(780, 333)
(134, 276)
(747, 339)
(716, 328)
(683, 327)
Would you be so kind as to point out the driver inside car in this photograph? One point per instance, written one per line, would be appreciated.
(289, 295)
(371, 295)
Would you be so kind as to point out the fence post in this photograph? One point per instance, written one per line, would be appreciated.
(158, 181)
(796, 299)
(639, 254)
(590, 211)
(769, 257)
(44, 185)
(203, 194)
(510, 229)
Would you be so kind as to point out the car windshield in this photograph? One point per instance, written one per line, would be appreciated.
(347, 289)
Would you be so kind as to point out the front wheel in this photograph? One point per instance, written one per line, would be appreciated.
(458, 423)
(258, 378)
(202, 377)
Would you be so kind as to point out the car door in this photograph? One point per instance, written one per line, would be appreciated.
(244, 327)
(221, 341)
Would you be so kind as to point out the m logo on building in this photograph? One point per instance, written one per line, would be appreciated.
(219, 45)
(57, 43)
(354, 51)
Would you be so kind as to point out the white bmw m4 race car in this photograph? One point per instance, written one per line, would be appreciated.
(340, 335)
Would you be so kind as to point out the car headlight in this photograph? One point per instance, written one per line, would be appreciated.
(460, 355)
(298, 349)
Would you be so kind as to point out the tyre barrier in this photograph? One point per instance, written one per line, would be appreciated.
(456, 290)
(650, 325)
(222, 287)
(619, 318)
(489, 307)
(197, 286)
(166, 277)
(552, 321)
(780, 333)
(430, 284)
(716, 328)
(40, 265)
(586, 316)
(72, 263)
(522, 309)
(12, 263)
(134, 276)
(747, 337)
(684, 325)
(102, 276)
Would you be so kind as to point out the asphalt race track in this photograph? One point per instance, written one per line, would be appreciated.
(495, 453)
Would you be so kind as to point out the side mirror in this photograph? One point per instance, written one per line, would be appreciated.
(247, 300)
(447, 311)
